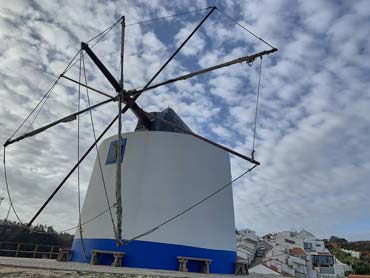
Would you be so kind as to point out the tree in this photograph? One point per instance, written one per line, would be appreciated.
(361, 267)
(335, 239)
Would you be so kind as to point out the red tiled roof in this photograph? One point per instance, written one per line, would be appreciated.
(358, 276)
(296, 251)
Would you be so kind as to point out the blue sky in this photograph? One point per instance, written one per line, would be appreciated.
(313, 129)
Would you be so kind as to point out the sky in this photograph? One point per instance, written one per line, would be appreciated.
(313, 128)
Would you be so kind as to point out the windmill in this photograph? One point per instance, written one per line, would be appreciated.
(161, 134)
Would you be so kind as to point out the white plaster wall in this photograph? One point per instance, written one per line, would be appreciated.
(354, 254)
(162, 174)
(317, 245)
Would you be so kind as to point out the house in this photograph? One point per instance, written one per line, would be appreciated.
(341, 267)
(301, 254)
(246, 244)
(354, 254)
(310, 242)
(305, 234)
(264, 269)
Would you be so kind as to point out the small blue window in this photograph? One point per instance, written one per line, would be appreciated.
(112, 153)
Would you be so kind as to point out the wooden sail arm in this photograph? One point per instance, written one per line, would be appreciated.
(101, 67)
(248, 59)
(75, 167)
(117, 86)
(131, 96)
(129, 100)
(65, 119)
(251, 160)
(86, 86)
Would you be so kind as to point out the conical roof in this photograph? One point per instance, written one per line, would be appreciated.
(168, 115)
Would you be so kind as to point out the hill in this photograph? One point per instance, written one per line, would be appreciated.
(361, 265)
(361, 246)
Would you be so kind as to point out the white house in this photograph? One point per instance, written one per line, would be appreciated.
(246, 244)
(354, 254)
(341, 267)
(301, 254)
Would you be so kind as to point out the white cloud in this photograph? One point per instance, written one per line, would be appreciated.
(313, 126)
(196, 44)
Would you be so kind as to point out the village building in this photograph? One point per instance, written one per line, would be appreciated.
(301, 254)
(246, 245)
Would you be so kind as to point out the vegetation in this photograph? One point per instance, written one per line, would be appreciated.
(338, 240)
(41, 234)
(359, 266)
(361, 246)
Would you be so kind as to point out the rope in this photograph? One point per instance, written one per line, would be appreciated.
(91, 219)
(256, 111)
(7, 215)
(165, 17)
(33, 110)
(72, 62)
(67, 68)
(42, 99)
(80, 223)
(7, 189)
(42, 102)
(78, 159)
(102, 34)
(245, 28)
(191, 207)
(92, 46)
(180, 47)
(142, 22)
(75, 227)
(45, 97)
(97, 151)
(105, 31)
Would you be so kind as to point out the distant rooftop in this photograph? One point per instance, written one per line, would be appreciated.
(297, 252)
(306, 234)
(358, 276)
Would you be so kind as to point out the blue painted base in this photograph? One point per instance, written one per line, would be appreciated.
(154, 255)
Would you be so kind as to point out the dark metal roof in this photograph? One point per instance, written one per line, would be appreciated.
(168, 115)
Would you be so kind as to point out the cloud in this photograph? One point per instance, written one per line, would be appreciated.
(197, 44)
(313, 127)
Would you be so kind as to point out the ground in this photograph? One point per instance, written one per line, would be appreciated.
(14, 272)
(11, 267)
